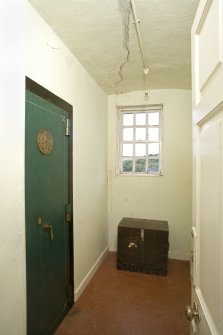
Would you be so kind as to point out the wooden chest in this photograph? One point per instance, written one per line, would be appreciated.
(143, 246)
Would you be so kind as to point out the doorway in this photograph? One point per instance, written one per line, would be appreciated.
(48, 203)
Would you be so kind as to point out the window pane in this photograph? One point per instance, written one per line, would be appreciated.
(153, 149)
(154, 119)
(140, 165)
(128, 134)
(140, 134)
(140, 149)
(127, 165)
(153, 134)
(140, 140)
(128, 119)
(127, 149)
(140, 119)
(154, 165)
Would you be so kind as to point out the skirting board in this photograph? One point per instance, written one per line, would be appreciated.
(171, 254)
(179, 256)
(87, 278)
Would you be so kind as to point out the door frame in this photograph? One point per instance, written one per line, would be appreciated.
(42, 92)
(207, 105)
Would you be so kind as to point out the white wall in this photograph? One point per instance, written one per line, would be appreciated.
(12, 228)
(167, 197)
(52, 65)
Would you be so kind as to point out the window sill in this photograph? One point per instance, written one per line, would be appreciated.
(138, 175)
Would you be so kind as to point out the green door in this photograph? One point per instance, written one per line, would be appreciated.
(46, 197)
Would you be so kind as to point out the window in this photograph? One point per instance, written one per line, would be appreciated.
(140, 131)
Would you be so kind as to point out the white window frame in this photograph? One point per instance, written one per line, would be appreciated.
(137, 109)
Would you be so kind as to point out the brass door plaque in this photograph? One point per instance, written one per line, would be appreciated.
(45, 142)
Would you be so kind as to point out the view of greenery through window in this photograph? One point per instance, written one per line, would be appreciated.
(140, 165)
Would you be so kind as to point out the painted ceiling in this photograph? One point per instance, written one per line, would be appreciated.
(102, 36)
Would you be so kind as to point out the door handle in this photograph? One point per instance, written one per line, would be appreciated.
(48, 228)
(193, 313)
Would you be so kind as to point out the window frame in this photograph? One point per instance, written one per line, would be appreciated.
(137, 109)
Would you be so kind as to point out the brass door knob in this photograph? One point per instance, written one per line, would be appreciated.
(192, 313)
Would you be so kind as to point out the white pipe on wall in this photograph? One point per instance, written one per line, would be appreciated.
(136, 22)
(145, 66)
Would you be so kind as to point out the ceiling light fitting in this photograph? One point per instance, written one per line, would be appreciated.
(146, 70)
(146, 95)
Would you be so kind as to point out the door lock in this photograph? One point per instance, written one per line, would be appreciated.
(192, 313)
(48, 228)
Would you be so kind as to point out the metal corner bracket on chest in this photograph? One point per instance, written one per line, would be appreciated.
(143, 246)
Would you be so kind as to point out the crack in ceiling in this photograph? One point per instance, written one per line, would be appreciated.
(101, 36)
(125, 9)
